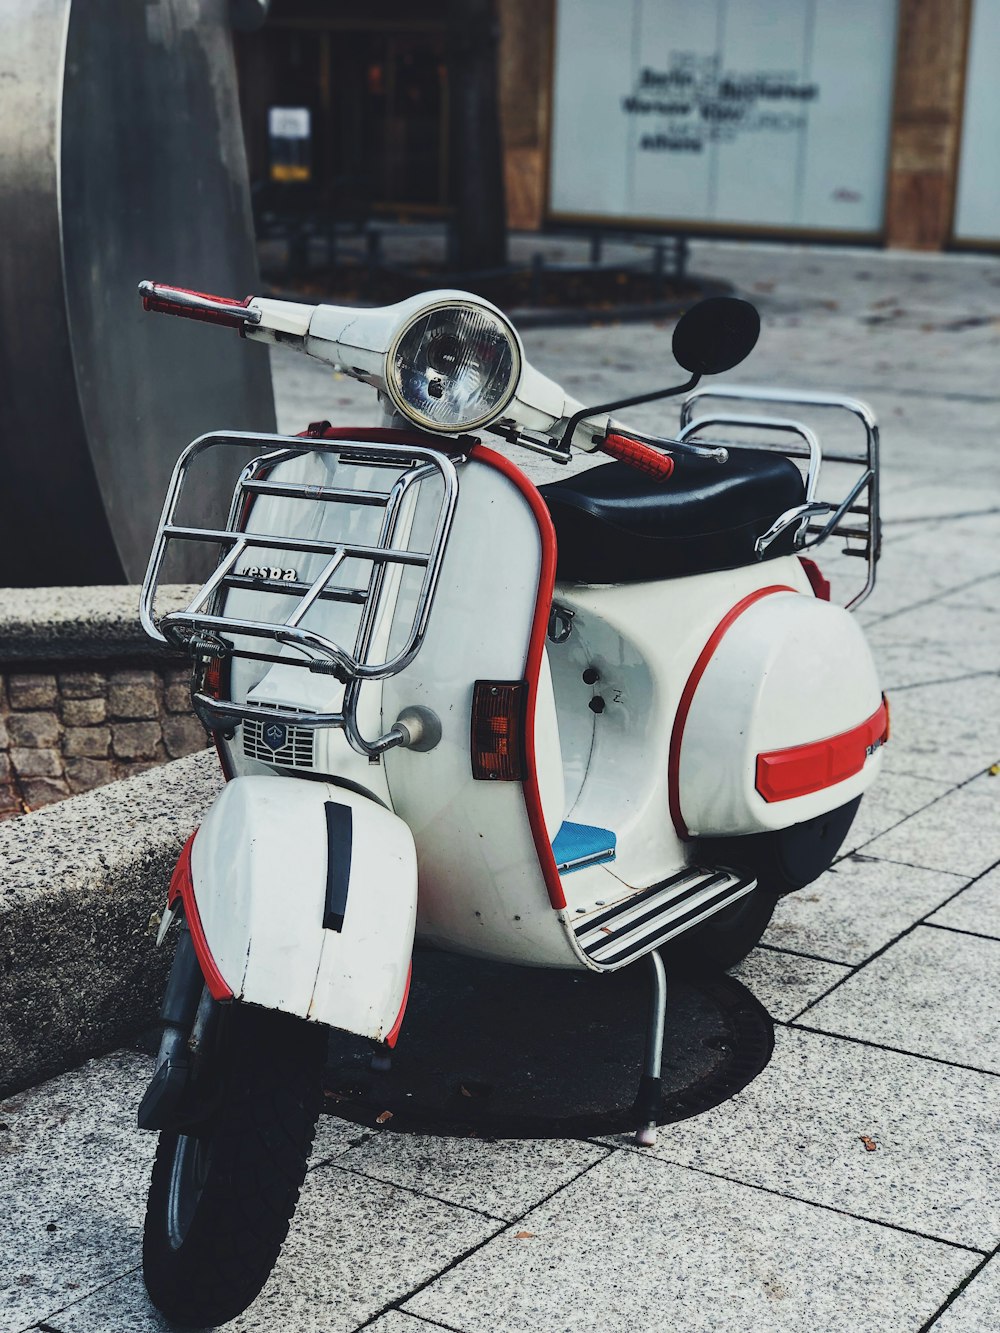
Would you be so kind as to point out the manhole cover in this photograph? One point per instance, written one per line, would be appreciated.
(504, 1051)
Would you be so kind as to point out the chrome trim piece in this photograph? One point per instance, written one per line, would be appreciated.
(202, 628)
(648, 918)
(794, 517)
(815, 453)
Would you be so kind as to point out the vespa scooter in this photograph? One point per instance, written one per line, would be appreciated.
(566, 726)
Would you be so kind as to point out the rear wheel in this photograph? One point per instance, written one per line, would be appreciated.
(781, 861)
(726, 938)
(221, 1197)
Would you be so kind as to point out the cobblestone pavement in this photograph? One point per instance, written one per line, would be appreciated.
(852, 1185)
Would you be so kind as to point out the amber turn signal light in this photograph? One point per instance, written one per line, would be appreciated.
(214, 678)
(498, 713)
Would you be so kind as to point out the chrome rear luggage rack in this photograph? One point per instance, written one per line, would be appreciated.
(204, 630)
(816, 519)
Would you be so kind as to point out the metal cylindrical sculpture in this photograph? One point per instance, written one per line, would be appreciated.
(121, 157)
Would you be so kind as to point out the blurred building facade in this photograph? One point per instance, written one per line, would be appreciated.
(873, 120)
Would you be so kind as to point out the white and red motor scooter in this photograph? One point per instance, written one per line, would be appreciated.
(561, 727)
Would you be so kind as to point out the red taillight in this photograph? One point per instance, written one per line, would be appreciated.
(802, 769)
(498, 709)
(818, 581)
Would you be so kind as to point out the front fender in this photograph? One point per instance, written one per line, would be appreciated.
(304, 897)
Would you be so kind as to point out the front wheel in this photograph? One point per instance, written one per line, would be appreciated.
(221, 1197)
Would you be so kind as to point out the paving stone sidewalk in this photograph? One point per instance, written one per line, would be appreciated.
(772, 1211)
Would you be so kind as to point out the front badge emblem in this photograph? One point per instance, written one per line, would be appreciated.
(275, 735)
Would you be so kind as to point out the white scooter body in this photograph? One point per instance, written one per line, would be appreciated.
(488, 882)
(304, 898)
(655, 714)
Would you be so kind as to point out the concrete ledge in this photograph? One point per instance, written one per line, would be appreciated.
(82, 624)
(78, 884)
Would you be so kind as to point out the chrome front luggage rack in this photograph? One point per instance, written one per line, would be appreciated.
(207, 628)
(854, 516)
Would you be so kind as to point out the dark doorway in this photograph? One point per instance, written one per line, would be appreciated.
(377, 103)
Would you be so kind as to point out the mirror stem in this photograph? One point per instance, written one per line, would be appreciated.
(585, 412)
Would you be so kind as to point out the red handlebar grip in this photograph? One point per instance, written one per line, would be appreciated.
(640, 456)
(189, 304)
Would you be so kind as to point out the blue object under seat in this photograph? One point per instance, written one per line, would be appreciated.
(579, 845)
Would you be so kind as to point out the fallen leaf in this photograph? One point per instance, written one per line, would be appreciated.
(524, 1235)
(870, 1144)
(384, 1118)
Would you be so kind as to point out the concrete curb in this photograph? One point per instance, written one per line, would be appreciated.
(86, 623)
(81, 880)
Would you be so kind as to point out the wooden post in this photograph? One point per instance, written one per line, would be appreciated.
(927, 122)
(526, 35)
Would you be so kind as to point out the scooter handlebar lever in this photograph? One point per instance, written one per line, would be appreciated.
(210, 309)
(640, 456)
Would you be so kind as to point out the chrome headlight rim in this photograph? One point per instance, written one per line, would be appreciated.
(395, 388)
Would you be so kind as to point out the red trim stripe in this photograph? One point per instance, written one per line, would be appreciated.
(800, 769)
(393, 1033)
(182, 886)
(533, 662)
(687, 697)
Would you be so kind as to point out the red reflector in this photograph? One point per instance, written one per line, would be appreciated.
(818, 581)
(498, 711)
(783, 774)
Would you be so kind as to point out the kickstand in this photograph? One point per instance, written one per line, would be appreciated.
(647, 1099)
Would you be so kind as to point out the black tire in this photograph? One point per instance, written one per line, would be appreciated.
(221, 1199)
(781, 861)
(724, 939)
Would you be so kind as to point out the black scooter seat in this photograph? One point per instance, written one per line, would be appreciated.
(614, 525)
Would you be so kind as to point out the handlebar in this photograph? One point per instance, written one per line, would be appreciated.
(293, 323)
(640, 456)
(210, 309)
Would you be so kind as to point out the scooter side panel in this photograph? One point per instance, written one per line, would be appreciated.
(481, 886)
(643, 639)
(307, 898)
(789, 671)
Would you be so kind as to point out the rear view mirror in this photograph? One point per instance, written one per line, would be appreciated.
(715, 335)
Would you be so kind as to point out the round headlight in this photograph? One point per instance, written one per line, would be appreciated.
(454, 367)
